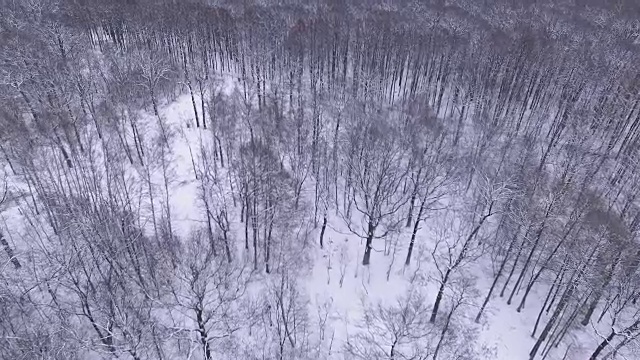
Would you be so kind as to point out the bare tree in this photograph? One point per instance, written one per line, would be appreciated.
(456, 245)
(376, 164)
(211, 292)
(395, 331)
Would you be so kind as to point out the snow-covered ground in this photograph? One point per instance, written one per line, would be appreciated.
(340, 286)
(339, 289)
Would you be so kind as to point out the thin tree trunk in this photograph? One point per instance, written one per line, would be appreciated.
(247, 212)
(367, 250)
(227, 249)
(577, 273)
(495, 280)
(599, 292)
(202, 101)
(416, 227)
(413, 198)
(202, 330)
(9, 251)
(515, 263)
(445, 328)
(254, 225)
(528, 259)
(556, 283)
(324, 226)
(153, 211)
(436, 305)
(602, 345)
(166, 192)
(551, 322)
(267, 240)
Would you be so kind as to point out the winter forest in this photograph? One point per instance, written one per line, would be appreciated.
(330, 179)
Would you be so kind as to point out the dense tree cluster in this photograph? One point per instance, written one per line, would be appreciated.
(503, 132)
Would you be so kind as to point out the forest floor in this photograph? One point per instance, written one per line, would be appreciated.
(339, 287)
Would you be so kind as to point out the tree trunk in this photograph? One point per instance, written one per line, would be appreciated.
(254, 226)
(495, 280)
(413, 199)
(204, 115)
(166, 191)
(554, 317)
(9, 251)
(416, 227)
(602, 345)
(226, 245)
(628, 337)
(599, 292)
(153, 210)
(193, 102)
(535, 278)
(528, 259)
(267, 241)
(209, 226)
(188, 81)
(443, 333)
(411, 203)
(246, 224)
(556, 284)
(324, 226)
(407, 261)
(202, 330)
(493, 286)
(515, 263)
(392, 352)
(367, 250)
(436, 305)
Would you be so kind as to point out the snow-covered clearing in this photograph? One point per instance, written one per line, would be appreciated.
(338, 286)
